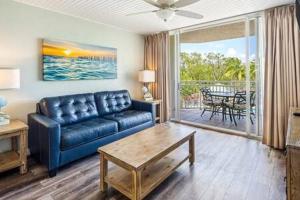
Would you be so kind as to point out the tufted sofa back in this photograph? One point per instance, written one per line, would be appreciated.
(112, 101)
(69, 109)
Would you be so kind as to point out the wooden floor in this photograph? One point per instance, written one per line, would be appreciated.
(227, 167)
(194, 115)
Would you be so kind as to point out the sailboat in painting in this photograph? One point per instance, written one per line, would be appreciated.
(73, 61)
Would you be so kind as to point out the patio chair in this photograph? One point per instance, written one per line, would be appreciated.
(252, 102)
(211, 104)
(238, 106)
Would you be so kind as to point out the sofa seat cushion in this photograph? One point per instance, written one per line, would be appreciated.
(130, 118)
(86, 131)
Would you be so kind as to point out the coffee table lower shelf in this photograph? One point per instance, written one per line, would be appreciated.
(152, 176)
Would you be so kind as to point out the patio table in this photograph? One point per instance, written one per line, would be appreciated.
(225, 96)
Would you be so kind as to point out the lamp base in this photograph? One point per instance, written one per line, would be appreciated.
(4, 122)
(147, 95)
(148, 98)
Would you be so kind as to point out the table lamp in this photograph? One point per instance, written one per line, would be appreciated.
(146, 77)
(9, 79)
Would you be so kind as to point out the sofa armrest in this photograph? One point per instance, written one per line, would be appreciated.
(145, 106)
(44, 139)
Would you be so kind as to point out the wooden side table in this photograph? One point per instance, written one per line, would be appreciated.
(17, 156)
(159, 111)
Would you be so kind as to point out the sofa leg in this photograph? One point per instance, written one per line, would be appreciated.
(52, 173)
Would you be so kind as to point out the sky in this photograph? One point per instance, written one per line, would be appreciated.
(229, 48)
(71, 49)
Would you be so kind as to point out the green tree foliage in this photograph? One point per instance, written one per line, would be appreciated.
(214, 67)
(211, 67)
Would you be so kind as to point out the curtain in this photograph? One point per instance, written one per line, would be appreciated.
(282, 73)
(157, 59)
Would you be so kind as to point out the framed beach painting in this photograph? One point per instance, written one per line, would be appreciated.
(74, 61)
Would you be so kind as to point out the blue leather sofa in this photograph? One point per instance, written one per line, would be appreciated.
(67, 128)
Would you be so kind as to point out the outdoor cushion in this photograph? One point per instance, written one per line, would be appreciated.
(86, 131)
(130, 118)
(216, 102)
(236, 106)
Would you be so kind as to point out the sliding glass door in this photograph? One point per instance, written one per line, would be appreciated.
(216, 75)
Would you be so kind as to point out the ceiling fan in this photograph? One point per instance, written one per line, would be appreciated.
(167, 9)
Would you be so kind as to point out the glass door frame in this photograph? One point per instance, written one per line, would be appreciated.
(259, 67)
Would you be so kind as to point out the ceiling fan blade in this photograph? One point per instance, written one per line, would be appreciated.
(166, 2)
(188, 14)
(183, 3)
(153, 3)
(139, 13)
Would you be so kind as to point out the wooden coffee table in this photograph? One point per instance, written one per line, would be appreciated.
(145, 159)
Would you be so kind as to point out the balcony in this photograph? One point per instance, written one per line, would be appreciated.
(192, 106)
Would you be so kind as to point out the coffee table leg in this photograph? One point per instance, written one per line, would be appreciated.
(192, 149)
(103, 173)
(137, 185)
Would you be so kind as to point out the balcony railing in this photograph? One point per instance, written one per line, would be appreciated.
(191, 96)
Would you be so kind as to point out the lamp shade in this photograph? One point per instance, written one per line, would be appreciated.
(9, 78)
(147, 76)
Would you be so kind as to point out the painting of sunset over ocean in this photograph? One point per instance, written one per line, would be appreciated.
(73, 61)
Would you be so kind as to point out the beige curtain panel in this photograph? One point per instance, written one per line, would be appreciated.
(282, 73)
(157, 58)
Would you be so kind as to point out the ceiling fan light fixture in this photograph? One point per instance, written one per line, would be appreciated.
(165, 14)
(167, 9)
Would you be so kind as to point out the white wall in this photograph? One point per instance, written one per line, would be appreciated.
(23, 27)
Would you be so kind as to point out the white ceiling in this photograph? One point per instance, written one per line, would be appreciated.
(113, 12)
